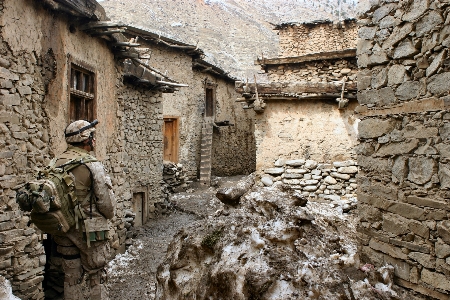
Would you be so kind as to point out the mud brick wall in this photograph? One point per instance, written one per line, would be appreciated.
(315, 71)
(306, 38)
(310, 129)
(404, 151)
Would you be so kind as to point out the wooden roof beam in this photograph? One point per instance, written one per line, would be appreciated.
(294, 87)
(338, 54)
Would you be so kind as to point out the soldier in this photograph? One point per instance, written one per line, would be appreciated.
(84, 248)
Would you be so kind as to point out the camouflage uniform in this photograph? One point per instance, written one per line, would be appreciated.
(85, 250)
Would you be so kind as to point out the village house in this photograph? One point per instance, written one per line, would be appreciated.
(404, 177)
(305, 124)
(204, 130)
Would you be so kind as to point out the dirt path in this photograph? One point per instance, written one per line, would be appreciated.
(132, 274)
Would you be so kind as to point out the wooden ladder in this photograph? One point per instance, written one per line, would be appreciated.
(205, 151)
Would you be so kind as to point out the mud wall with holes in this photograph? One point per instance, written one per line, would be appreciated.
(34, 48)
(404, 177)
(233, 149)
(304, 129)
(306, 38)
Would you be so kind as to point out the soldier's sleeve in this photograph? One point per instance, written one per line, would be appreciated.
(106, 201)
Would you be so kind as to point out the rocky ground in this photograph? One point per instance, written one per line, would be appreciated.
(272, 245)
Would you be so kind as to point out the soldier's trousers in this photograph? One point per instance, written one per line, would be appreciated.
(80, 261)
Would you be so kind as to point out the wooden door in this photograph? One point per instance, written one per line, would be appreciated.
(170, 140)
(138, 208)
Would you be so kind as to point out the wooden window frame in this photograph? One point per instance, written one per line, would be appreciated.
(82, 92)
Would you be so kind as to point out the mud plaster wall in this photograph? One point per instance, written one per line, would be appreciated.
(314, 130)
(188, 105)
(301, 39)
(404, 177)
(33, 114)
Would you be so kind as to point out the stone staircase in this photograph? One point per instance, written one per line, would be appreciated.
(205, 151)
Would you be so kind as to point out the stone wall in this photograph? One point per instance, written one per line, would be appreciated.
(233, 147)
(310, 129)
(328, 181)
(306, 38)
(35, 49)
(404, 153)
(140, 128)
(315, 71)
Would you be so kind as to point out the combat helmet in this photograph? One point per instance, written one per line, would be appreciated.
(79, 131)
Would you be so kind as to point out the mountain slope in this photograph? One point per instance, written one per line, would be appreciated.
(233, 33)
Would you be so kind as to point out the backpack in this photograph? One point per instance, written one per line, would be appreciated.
(51, 198)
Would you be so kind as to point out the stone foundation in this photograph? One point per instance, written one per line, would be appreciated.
(318, 180)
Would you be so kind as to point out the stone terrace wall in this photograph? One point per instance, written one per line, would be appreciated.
(301, 39)
(316, 180)
(315, 71)
(404, 155)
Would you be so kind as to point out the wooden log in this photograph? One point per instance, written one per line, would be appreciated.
(295, 87)
(347, 53)
(126, 44)
(102, 25)
(231, 195)
(298, 97)
(106, 32)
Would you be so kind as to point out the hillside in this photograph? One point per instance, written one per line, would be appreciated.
(233, 33)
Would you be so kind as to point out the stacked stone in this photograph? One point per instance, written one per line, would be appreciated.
(23, 140)
(316, 71)
(301, 39)
(140, 160)
(313, 179)
(174, 178)
(404, 154)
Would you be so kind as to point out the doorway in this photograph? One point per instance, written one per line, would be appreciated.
(170, 132)
(139, 208)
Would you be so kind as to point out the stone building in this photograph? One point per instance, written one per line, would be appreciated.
(305, 127)
(404, 178)
(204, 129)
(61, 61)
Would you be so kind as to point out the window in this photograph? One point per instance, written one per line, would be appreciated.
(210, 99)
(82, 93)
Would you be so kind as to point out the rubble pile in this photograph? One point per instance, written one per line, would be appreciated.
(175, 179)
(269, 246)
(334, 182)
